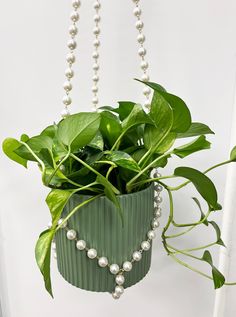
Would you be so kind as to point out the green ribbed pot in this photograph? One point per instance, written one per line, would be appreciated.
(99, 224)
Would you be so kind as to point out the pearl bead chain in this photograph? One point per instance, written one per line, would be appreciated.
(103, 262)
(70, 58)
(95, 55)
(142, 52)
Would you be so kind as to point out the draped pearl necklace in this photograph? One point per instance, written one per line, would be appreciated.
(136, 256)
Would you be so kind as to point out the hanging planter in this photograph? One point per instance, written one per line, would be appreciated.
(104, 203)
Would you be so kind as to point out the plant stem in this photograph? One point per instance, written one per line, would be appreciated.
(118, 141)
(146, 169)
(196, 249)
(193, 223)
(75, 209)
(115, 190)
(58, 166)
(144, 157)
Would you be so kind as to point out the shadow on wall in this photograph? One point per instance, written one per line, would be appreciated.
(4, 307)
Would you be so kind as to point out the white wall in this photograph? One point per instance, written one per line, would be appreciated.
(191, 48)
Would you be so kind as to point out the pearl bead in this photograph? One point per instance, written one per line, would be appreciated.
(139, 25)
(142, 51)
(71, 44)
(103, 262)
(96, 43)
(158, 188)
(95, 100)
(158, 212)
(92, 253)
(67, 100)
(146, 91)
(73, 30)
(96, 5)
(115, 295)
(145, 245)
(120, 279)
(96, 30)
(71, 234)
(151, 234)
(94, 89)
(74, 16)
(114, 268)
(95, 55)
(141, 38)
(137, 11)
(65, 113)
(76, 4)
(119, 290)
(64, 224)
(145, 77)
(127, 266)
(95, 78)
(158, 199)
(54, 247)
(147, 104)
(96, 18)
(155, 223)
(137, 256)
(156, 175)
(67, 86)
(144, 65)
(80, 245)
(95, 67)
(70, 58)
(69, 73)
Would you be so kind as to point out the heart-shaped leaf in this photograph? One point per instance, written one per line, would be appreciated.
(219, 241)
(9, 147)
(56, 201)
(181, 113)
(124, 160)
(78, 130)
(162, 115)
(124, 109)
(43, 257)
(195, 129)
(218, 277)
(203, 184)
(198, 144)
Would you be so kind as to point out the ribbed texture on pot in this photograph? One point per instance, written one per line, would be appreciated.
(99, 224)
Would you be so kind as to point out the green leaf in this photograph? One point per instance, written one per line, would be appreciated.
(197, 145)
(124, 160)
(97, 142)
(218, 233)
(162, 115)
(233, 155)
(195, 129)
(110, 195)
(181, 113)
(124, 109)
(9, 146)
(205, 222)
(78, 130)
(110, 127)
(203, 184)
(50, 131)
(218, 277)
(36, 144)
(136, 117)
(43, 257)
(56, 201)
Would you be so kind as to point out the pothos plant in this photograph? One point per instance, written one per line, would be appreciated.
(113, 152)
